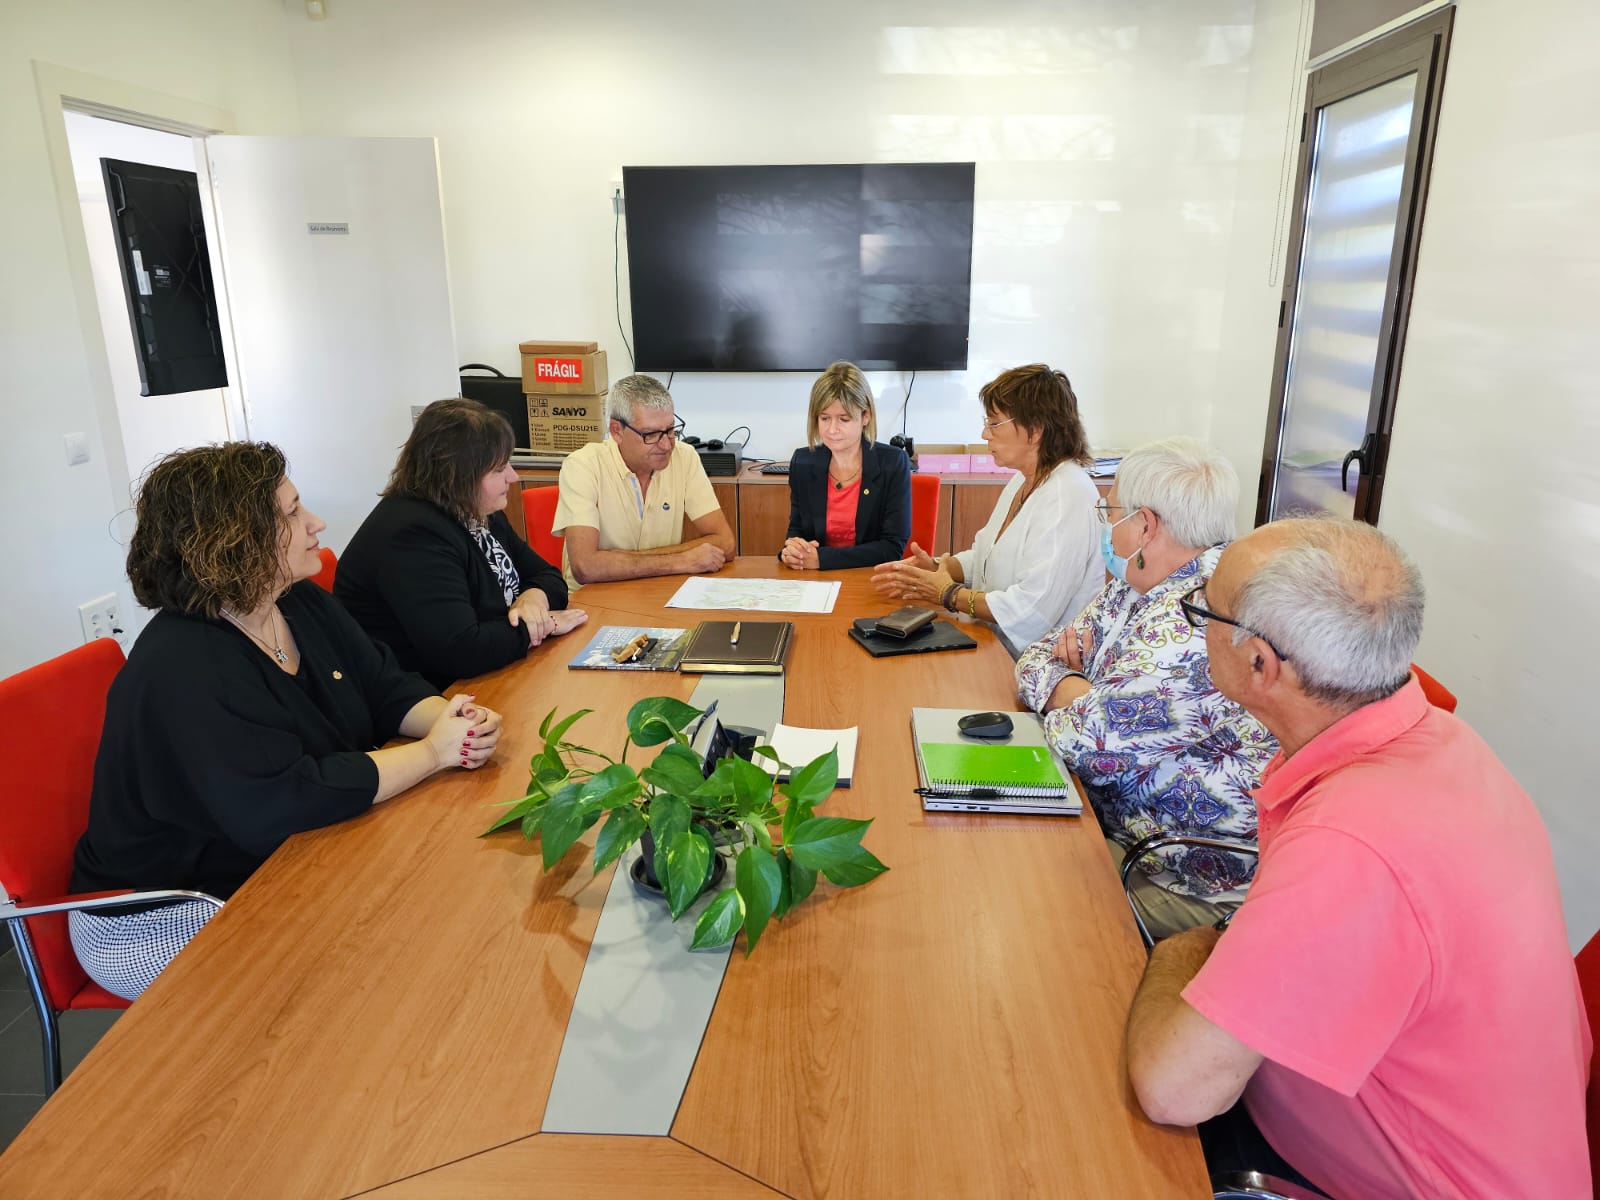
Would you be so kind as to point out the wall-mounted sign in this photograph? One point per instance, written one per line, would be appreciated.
(328, 227)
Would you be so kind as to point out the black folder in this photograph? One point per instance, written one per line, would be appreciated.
(941, 635)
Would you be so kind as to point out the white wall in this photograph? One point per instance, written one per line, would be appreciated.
(1494, 473)
(151, 425)
(61, 539)
(1109, 135)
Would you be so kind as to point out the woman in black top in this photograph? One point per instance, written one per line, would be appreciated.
(436, 572)
(251, 708)
(850, 497)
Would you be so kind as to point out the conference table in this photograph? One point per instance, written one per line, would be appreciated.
(381, 1008)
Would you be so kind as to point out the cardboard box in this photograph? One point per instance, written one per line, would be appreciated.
(559, 347)
(564, 374)
(565, 423)
(943, 464)
(983, 464)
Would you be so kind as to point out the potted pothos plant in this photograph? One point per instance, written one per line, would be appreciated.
(777, 842)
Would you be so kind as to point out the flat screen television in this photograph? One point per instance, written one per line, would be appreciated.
(790, 268)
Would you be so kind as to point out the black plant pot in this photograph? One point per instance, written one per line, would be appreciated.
(643, 871)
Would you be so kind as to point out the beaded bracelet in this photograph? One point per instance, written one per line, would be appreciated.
(972, 603)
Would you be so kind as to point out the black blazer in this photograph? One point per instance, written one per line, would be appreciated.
(883, 512)
(415, 580)
(211, 756)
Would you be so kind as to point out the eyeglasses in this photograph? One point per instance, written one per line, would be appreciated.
(1198, 616)
(1101, 508)
(990, 424)
(673, 431)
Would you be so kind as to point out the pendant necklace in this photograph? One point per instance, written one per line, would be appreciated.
(276, 649)
(838, 484)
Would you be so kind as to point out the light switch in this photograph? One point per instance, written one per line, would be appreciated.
(77, 448)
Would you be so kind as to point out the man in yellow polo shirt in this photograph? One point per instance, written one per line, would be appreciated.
(624, 501)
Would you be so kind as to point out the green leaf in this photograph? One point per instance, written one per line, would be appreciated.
(546, 768)
(562, 825)
(759, 880)
(669, 815)
(517, 810)
(720, 784)
(552, 737)
(767, 752)
(795, 814)
(675, 769)
(801, 882)
(859, 868)
(531, 823)
(655, 719)
(785, 886)
(544, 725)
(720, 922)
(623, 827)
(814, 782)
(823, 842)
(614, 786)
(688, 862)
(752, 788)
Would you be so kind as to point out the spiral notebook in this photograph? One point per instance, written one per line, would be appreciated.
(1019, 774)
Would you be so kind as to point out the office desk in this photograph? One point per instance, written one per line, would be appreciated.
(383, 1003)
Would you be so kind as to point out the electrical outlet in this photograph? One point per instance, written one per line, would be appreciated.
(614, 191)
(99, 619)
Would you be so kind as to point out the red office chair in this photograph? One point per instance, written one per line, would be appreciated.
(924, 511)
(1438, 695)
(44, 809)
(1588, 962)
(539, 509)
(330, 564)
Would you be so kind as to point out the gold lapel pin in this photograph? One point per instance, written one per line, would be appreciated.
(338, 674)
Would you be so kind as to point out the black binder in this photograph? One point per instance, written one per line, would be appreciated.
(941, 635)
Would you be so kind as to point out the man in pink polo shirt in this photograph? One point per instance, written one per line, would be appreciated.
(1395, 1001)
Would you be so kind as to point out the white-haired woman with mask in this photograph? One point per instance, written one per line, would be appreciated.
(1126, 694)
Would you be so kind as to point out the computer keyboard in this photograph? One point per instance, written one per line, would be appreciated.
(775, 469)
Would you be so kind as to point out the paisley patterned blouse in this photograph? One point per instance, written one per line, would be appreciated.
(1156, 746)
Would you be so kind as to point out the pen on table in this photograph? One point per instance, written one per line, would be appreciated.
(733, 638)
(969, 794)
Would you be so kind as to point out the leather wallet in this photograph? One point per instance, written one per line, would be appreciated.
(903, 622)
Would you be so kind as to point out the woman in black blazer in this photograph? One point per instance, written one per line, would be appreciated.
(436, 572)
(850, 496)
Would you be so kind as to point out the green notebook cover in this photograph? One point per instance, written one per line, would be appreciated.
(990, 766)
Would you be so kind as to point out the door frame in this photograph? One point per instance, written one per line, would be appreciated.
(1421, 46)
(59, 89)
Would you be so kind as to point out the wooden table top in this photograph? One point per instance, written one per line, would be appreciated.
(384, 1002)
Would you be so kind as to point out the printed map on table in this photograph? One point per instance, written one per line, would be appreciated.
(756, 595)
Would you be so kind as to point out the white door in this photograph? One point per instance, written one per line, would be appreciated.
(333, 259)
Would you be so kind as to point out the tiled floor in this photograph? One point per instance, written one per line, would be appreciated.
(22, 1056)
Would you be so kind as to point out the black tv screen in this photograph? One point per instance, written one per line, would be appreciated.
(791, 268)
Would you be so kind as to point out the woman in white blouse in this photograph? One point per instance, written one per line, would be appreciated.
(1036, 563)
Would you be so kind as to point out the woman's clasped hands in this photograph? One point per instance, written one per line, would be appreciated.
(465, 733)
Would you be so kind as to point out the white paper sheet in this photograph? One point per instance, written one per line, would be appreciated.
(797, 746)
(756, 595)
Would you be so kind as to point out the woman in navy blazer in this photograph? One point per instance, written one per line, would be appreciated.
(850, 496)
(436, 572)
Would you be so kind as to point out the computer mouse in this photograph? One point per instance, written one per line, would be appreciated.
(987, 725)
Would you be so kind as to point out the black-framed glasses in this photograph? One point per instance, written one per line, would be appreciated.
(1198, 616)
(673, 431)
